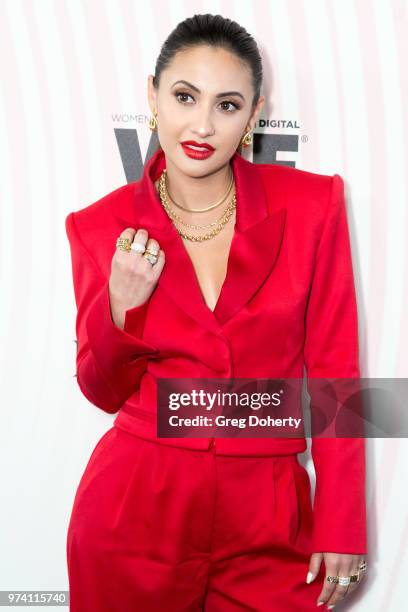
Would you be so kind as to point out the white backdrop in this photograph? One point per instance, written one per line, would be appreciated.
(72, 72)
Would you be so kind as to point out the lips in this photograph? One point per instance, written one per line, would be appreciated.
(201, 152)
(197, 146)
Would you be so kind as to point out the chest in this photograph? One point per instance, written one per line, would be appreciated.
(210, 260)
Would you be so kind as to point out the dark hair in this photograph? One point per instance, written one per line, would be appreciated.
(215, 31)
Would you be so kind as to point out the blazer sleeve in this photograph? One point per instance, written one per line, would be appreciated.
(110, 361)
(330, 351)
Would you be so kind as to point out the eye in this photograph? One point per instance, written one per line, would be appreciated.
(181, 93)
(236, 107)
(228, 102)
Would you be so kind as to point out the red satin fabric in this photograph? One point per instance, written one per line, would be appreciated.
(157, 528)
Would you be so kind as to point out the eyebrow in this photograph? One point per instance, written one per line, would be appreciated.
(219, 95)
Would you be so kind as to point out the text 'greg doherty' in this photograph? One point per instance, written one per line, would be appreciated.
(222, 421)
(207, 401)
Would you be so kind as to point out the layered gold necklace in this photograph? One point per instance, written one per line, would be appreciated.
(219, 223)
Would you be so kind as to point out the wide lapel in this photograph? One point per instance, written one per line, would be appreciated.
(253, 252)
(256, 242)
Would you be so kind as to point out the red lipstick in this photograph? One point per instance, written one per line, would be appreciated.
(203, 151)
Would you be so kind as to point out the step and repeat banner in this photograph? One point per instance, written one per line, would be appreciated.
(74, 125)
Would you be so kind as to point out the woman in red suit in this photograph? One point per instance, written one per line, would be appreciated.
(211, 266)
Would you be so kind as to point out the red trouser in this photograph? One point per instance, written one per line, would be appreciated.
(166, 529)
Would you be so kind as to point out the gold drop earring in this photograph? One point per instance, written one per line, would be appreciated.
(246, 140)
(153, 122)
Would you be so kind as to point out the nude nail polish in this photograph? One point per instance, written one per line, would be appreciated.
(309, 577)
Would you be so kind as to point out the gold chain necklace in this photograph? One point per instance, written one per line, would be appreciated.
(228, 213)
(219, 220)
(174, 215)
(201, 210)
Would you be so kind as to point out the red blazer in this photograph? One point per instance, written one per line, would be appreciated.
(288, 301)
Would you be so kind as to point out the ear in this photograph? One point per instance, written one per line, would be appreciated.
(256, 111)
(151, 94)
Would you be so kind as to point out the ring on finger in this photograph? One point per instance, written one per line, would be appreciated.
(138, 247)
(355, 577)
(153, 249)
(150, 256)
(333, 579)
(124, 244)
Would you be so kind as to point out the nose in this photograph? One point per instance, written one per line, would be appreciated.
(203, 125)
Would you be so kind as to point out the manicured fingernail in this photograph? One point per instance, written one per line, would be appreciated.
(320, 603)
(331, 606)
(310, 576)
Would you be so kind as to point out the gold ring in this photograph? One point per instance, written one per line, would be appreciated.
(333, 579)
(124, 244)
(151, 257)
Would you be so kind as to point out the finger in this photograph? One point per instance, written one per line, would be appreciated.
(329, 587)
(151, 255)
(141, 237)
(153, 245)
(354, 585)
(159, 265)
(314, 566)
(340, 591)
(128, 232)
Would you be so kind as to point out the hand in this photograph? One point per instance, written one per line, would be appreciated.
(133, 278)
(337, 564)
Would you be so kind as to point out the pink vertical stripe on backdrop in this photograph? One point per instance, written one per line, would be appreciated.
(16, 121)
(263, 16)
(400, 16)
(82, 137)
(133, 23)
(337, 45)
(381, 502)
(98, 31)
(164, 25)
(379, 174)
(306, 81)
(52, 143)
(336, 49)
